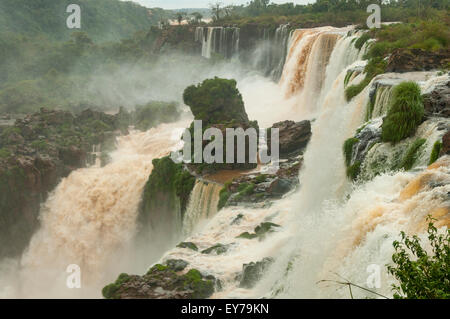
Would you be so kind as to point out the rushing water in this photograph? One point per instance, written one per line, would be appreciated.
(328, 225)
(90, 219)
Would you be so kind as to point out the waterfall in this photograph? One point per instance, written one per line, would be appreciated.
(90, 219)
(202, 205)
(271, 53)
(219, 40)
(314, 60)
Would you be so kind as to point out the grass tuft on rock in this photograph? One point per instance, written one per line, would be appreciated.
(435, 152)
(411, 154)
(405, 113)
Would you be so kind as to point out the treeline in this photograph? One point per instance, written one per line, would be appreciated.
(335, 12)
(102, 20)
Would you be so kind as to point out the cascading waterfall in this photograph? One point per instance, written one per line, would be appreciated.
(202, 205)
(271, 53)
(327, 226)
(323, 232)
(220, 40)
(90, 219)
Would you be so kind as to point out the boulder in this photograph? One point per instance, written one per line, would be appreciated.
(253, 272)
(437, 102)
(161, 282)
(293, 136)
(445, 150)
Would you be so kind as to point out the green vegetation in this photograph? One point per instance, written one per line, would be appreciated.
(405, 113)
(103, 20)
(422, 275)
(216, 101)
(412, 154)
(362, 40)
(188, 245)
(149, 115)
(109, 291)
(354, 170)
(219, 249)
(435, 152)
(260, 231)
(169, 178)
(224, 195)
(194, 280)
(321, 12)
(432, 33)
(348, 149)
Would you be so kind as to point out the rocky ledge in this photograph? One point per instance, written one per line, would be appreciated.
(260, 187)
(408, 60)
(168, 281)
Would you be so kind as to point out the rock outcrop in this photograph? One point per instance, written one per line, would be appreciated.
(167, 281)
(437, 102)
(217, 103)
(409, 60)
(35, 153)
(293, 136)
(253, 272)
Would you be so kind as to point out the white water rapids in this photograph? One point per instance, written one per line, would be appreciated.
(327, 225)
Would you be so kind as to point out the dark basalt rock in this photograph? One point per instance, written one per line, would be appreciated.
(437, 102)
(409, 60)
(177, 264)
(161, 282)
(218, 249)
(253, 272)
(260, 187)
(445, 150)
(293, 137)
(36, 152)
(260, 231)
(188, 245)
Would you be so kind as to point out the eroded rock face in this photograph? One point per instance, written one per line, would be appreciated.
(437, 102)
(162, 282)
(35, 153)
(409, 60)
(293, 136)
(253, 272)
(445, 150)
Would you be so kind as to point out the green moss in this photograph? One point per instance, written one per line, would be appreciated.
(216, 101)
(224, 195)
(405, 113)
(193, 280)
(4, 153)
(435, 152)
(260, 178)
(188, 245)
(361, 40)
(347, 77)
(247, 235)
(260, 231)
(219, 249)
(374, 67)
(411, 154)
(354, 170)
(348, 149)
(168, 177)
(109, 291)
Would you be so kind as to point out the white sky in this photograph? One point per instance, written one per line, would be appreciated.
(177, 4)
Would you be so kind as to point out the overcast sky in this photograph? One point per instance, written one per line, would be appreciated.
(177, 4)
